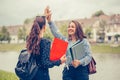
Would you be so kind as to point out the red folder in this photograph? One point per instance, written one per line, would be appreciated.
(58, 49)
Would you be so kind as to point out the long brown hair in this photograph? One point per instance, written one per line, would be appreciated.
(34, 39)
(79, 34)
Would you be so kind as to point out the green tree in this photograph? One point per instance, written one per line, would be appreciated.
(63, 29)
(4, 34)
(22, 33)
(27, 21)
(48, 34)
(0, 36)
(88, 32)
(116, 37)
(98, 13)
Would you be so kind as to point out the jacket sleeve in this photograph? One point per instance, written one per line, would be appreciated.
(55, 31)
(45, 57)
(86, 60)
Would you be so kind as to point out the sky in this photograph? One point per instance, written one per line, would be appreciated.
(14, 12)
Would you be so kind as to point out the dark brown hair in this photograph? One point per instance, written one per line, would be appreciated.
(79, 34)
(33, 39)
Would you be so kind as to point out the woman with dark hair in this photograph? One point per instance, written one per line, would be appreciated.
(40, 48)
(74, 69)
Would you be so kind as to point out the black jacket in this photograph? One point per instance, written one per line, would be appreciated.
(44, 62)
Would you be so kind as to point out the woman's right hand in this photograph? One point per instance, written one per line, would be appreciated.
(63, 59)
(47, 13)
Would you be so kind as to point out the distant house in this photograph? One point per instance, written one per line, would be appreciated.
(13, 30)
(14, 39)
(113, 28)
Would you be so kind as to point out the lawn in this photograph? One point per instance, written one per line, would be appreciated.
(7, 75)
(96, 48)
(105, 48)
(11, 47)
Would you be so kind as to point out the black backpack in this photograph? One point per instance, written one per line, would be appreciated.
(26, 67)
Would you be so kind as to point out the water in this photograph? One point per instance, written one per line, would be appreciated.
(8, 60)
(108, 66)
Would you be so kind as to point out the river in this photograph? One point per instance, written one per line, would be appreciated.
(108, 66)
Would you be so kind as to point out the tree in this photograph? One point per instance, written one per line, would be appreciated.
(22, 33)
(27, 21)
(98, 13)
(4, 34)
(63, 29)
(48, 34)
(116, 37)
(0, 36)
(88, 32)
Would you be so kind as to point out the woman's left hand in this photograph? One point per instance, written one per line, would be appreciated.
(76, 63)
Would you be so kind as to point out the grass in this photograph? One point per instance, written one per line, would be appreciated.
(11, 47)
(105, 48)
(96, 48)
(7, 75)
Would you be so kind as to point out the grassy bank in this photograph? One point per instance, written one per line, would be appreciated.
(7, 75)
(105, 48)
(11, 47)
(96, 48)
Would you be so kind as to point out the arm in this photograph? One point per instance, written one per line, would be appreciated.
(53, 27)
(55, 31)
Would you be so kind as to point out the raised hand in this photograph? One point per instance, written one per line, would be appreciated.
(47, 13)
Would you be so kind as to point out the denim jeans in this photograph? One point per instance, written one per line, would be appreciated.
(79, 73)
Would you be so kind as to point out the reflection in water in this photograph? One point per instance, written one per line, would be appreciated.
(108, 66)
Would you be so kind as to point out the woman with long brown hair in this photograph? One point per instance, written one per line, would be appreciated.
(40, 47)
(75, 69)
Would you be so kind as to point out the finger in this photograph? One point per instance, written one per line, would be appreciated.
(64, 55)
(48, 7)
(48, 14)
